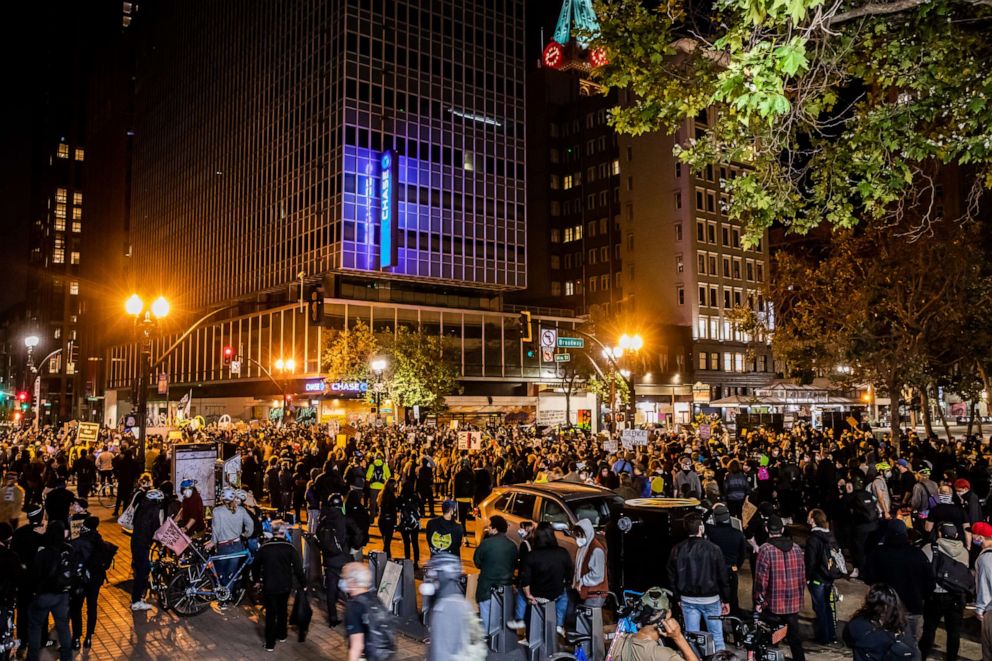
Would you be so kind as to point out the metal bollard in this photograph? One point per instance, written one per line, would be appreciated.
(500, 637)
(377, 565)
(542, 636)
(589, 630)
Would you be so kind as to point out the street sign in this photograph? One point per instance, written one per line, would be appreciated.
(571, 343)
(562, 357)
(163, 383)
(236, 367)
(549, 337)
(547, 355)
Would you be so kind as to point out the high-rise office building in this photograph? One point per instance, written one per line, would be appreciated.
(573, 172)
(381, 142)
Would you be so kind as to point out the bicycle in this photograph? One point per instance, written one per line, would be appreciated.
(757, 638)
(106, 493)
(196, 582)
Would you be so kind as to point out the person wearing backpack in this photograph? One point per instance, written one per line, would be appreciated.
(332, 535)
(823, 567)
(863, 511)
(982, 532)
(409, 508)
(923, 498)
(148, 517)
(735, 487)
(452, 620)
(91, 554)
(11, 575)
(376, 476)
(275, 566)
(879, 631)
(54, 570)
(954, 586)
(902, 565)
(367, 621)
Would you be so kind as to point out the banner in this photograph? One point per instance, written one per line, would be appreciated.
(183, 410)
(88, 432)
(634, 437)
(172, 537)
(232, 471)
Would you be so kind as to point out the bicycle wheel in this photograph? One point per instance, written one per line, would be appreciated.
(105, 496)
(185, 597)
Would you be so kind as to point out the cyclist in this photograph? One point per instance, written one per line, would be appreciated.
(105, 467)
(231, 523)
(191, 514)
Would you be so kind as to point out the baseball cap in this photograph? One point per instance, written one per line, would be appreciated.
(720, 513)
(775, 524)
(903, 463)
(449, 506)
(656, 599)
(982, 529)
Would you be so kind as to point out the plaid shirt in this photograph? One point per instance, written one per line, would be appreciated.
(779, 579)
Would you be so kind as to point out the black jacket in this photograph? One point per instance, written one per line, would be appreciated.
(696, 569)
(276, 564)
(905, 568)
(88, 548)
(148, 517)
(332, 534)
(464, 483)
(547, 571)
(11, 575)
(731, 542)
(818, 546)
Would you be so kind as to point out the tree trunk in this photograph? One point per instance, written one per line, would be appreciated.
(940, 413)
(925, 407)
(971, 416)
(568, 404)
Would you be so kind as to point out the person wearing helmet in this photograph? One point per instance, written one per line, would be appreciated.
(191, 513)
(231, 525)
(149, 514)
(449, 610)
(923, 498)
(880, 489)
(654, 623)
(332, 535)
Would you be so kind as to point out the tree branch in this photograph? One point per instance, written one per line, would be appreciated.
(884, 8)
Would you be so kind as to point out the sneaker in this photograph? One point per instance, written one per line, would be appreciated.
(853, 574)
(515, 624)
(280, 640)
(561, 631)
(141, 606)
(270, 649)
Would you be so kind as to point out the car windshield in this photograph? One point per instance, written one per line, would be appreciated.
(599, 510)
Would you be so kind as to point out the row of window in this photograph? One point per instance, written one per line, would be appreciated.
(730, 237)
(568, 207)
(709, 296)
(706, 264)
(566, 129)
(63, 152)
(574, 180)
(602, 256)
(732, 362)
(719, 329)
(594, 284)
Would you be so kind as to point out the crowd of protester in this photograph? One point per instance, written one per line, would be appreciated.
(910, 519)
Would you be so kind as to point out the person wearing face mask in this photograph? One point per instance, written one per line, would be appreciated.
(698, 576)
(231, 524)
(945, 511)
(450, 612)
(276, 564)
(126, 470)
(332, 534)
(148, 517)
(589, 579)
(655, 622)
(982, 533)
(191, 513)
(953, 587)
(879, 488)
(526, 534)
(685, 481)
(971, 505)
(365, 618)
(496, 559)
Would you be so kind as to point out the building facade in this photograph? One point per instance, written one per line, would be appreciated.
(686, 265)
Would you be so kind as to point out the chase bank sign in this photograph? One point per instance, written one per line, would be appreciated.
(337, 387)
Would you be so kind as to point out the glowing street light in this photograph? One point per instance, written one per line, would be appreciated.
(134, 305)
(280, 364)
(379, 365)
(31, 341)
(631, 342)
(160, 307)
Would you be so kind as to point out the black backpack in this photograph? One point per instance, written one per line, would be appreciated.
(64, 572)
(952, 575)
(381, 642)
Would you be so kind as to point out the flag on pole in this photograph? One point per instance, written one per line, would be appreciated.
(183, 410)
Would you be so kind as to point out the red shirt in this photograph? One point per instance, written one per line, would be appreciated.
(780, 577)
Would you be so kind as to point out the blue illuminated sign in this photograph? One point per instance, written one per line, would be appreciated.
(387, 210)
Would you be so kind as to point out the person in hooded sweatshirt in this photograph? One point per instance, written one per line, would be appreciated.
(903, 566)
(590, 579)
(820, 576)
(779, 577)
(450, 611)
(944, 601)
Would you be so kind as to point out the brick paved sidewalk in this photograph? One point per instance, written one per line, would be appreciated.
(214, 635)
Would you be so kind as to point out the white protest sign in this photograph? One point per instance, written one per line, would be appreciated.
(390, 583)
(470, 440)
(610, 446)
(551, 417)
(635, 437)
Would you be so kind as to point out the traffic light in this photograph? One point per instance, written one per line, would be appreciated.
(531, 353)
(525, 329)
(228, 355)
(315, 308)
(22, 396)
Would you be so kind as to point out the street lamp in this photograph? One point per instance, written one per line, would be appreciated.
(287, 365)
(146, 321)
(31, 341)
(378, 367)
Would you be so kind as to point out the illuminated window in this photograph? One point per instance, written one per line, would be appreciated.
(77, 226)
(58, 256)
(701, 328)
(60, 211)
(604, 282)
(616, 166)
(77, 213)
(63, 150)
(60, 195)
(79, 153)
(578, 232)
(60, 224)
(555, 288)
(555, 236)
(77, 198)
(738, 362)
(74, 288)
(74, 257)
(702, 360)
(567, 185)
(569, 288)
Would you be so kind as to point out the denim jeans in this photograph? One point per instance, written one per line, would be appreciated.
(693, 613)
(484, 608)
(58, 606)
(227, 566)
(520, 605)
(561, 607)
(823, 624)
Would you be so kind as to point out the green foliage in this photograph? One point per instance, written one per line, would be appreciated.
(421, 370)
(841, 111)
(348, 353)
(601, 387)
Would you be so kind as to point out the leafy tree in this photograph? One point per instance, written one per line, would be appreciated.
(421, 370)
(843, 111)
(348, 353)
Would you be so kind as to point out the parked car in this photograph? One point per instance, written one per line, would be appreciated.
(637, 556)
